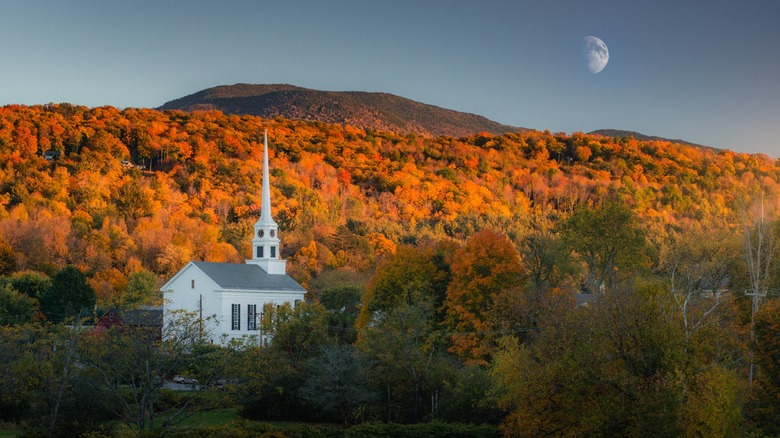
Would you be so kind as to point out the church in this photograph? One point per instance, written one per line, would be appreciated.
(229, 297)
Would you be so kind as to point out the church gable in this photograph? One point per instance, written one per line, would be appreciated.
(190, 277)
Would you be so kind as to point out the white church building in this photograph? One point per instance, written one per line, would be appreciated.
(229, 297)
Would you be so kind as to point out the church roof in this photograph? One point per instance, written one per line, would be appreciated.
(247, 277)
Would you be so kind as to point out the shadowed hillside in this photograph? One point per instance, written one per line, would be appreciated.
(639, 136)
(381, 111)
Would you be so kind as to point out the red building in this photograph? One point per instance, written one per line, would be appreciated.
(146, 318)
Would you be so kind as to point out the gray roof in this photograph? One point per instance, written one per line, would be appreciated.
(247, 277)
(149, 317)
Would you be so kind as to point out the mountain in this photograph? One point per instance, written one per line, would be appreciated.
(639, 136)
(380, 111)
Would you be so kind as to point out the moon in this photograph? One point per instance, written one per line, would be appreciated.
(596, 54)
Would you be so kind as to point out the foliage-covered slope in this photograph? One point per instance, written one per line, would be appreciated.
(639, 136)
(343, 196)
(365, 110)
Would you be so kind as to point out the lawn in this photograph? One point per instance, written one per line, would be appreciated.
(206, 418)
(200, 419)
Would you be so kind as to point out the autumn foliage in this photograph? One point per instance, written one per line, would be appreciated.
(486, 267)
(460, 260)
(143, 189)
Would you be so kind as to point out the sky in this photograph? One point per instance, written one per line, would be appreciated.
(706, 72)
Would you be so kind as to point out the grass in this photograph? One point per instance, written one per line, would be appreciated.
(200, 419)
(206, 418)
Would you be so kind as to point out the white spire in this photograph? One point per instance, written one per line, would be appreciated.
(265, 212)
(265, 243)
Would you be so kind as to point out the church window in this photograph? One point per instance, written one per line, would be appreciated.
(251, 322)
(193, 284)
(273, 233)
(260, 233)
(236, 317)
(259, 252)
(273, 252)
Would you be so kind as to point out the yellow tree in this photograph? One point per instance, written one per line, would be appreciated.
(410, 276)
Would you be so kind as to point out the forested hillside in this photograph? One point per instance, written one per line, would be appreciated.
(554, 284)
(361, 109)
(343, 196)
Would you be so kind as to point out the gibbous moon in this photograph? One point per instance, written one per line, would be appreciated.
(596, 54)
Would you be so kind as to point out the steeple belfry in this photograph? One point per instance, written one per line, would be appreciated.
(265, 243)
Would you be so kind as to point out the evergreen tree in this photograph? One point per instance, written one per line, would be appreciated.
(68, 296)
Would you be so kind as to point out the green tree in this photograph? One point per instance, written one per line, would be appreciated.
(17, 385)
(403, 349)
(15, 308)
(545, 258)
(141, 290)
(607, 370)
(130, 367)
(697, 264)
(342, 304)
(292, 337)
(296, 333)
(713, 404)
(765, 403)
(335, 382)
(41, 384)
(68, 296)
(609, 242)
(31, 283)
(467, 397)
(410, 275)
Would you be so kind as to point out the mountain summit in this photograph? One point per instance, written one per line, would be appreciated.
(365, 110)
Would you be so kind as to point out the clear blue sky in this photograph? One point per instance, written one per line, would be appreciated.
(704, 71)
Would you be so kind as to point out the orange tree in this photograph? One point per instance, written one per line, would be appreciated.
(486, 267)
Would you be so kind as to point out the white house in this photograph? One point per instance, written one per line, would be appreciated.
(231, 296)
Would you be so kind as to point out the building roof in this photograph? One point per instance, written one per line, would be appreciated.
(144, 316)
(238, 276)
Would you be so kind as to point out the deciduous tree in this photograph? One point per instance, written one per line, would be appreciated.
(16, 308)
(609, 242)
(484, 268)
(335, 382)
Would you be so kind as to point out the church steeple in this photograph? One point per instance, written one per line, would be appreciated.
(265, 243)
(265, 213)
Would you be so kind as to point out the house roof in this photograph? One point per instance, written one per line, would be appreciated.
(145, 317)
(247, 277)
